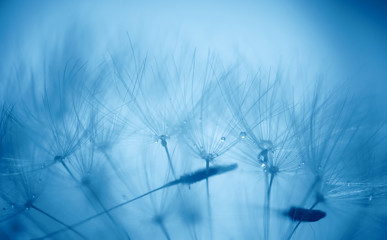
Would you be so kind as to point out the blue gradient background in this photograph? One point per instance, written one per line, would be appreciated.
(344, 39)
(343, 42)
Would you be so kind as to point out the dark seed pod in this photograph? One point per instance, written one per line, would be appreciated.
(204, 173)
(305, 215)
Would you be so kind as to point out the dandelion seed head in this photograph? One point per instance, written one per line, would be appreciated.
(163, 139)
(208, 156)
(242, 135)
(28, 204)
(85, 181)
(320, 197)
(273, 170)
(266, 144)
(58, 158)
(158, 219)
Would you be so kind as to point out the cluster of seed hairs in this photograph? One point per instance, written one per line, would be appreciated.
(185, 148)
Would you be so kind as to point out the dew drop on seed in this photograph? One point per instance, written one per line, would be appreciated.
(222, 139)
(242, 135)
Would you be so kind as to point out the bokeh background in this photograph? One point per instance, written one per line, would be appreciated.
(342, 44)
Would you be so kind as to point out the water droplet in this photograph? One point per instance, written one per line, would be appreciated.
(242, 135)
(370, 198)
(33, 196)
(222, 139)
(263, 165)
(12, 206)
(348, 184)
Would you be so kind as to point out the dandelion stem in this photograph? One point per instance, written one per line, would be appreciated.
(36, 223)
(68, 170)
(164, 229)
(115, 170)
(208, 197)
(266, 222)
(165, 146)
(95, 196)
(310, 190)
(207, 184)
(299, 222)
(97, 199)
(185, 179)
(58, 221)
(102, 213)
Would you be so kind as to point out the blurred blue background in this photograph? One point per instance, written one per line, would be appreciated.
(346, 40)
(342, 42)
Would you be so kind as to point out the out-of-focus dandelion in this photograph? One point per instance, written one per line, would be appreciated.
(186, 179)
